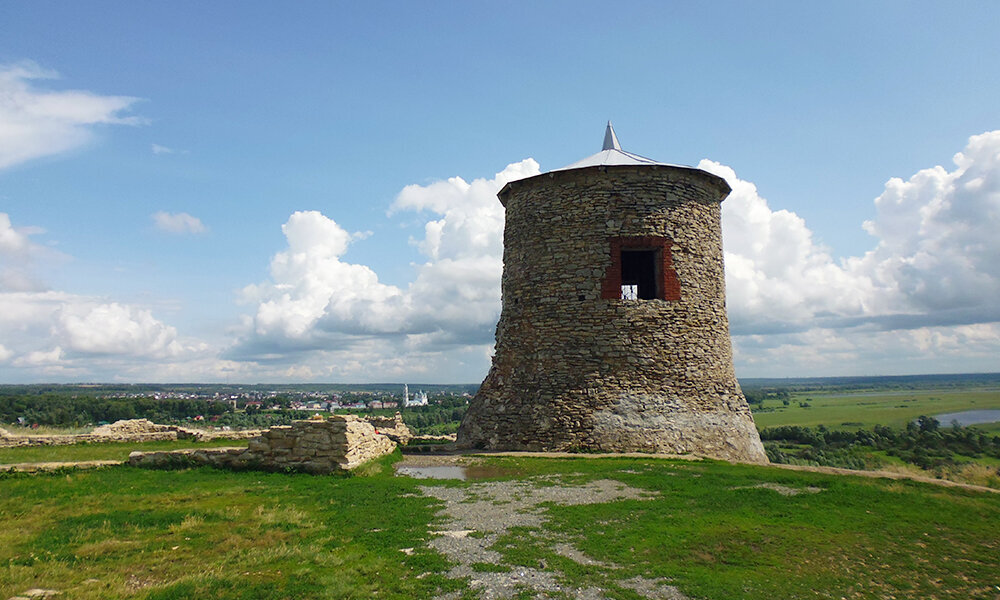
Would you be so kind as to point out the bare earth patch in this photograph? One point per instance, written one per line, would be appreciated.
(476, 516)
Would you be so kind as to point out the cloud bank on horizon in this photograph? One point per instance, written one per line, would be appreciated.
(923, 296)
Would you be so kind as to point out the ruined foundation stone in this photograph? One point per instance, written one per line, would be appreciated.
(127, 430)
(337, 443)
(579, 368)
(392, 427)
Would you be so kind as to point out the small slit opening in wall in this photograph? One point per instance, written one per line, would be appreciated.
(581, 297)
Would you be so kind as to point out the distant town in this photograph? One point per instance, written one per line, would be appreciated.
(375, 397)
(432, 409)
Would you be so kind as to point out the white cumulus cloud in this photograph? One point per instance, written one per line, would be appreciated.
(777, 276)
(317, 302)
(54, 333)
(18, 257)
(83, 327)
(937, 238)
(934, 261)
(112, 328)
(37, 122)
(41, 358)
(922, 300)
(311, 282)
(178, 223)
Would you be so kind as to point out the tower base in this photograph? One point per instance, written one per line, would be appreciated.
(628, 423)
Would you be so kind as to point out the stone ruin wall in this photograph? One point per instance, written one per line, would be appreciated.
(319, 445)
(576, 371)
(392, 427)
(130, 430)
(336, 443)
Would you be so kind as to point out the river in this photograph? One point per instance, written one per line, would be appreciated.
(969, 417)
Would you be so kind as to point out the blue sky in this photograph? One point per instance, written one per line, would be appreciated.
(151, 154)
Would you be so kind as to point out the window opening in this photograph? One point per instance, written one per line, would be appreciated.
(640, 274)
(641, 268)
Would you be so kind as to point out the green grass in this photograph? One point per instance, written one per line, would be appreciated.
(990, 427)
(714, 537)
(212, 533)
(129, 533)
(100, 451)
(865, 409)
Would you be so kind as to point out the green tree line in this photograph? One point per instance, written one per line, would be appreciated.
(435, 419)
(79, 411)
(923, 443)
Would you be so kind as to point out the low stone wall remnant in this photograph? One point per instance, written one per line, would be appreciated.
(392, 427)
(128, 430)
(337, 443)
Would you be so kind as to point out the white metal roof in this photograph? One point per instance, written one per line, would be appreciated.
(612, 155)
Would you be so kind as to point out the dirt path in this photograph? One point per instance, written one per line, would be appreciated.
(477, 516)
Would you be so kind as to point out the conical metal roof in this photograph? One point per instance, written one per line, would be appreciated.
(612, 155)
(610, 139)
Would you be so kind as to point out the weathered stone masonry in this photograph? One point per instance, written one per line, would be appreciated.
(336, 443)
(128, 430)
(578, 368)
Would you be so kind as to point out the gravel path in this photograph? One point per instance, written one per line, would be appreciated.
(474, 517)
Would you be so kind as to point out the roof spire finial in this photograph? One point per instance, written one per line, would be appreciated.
(610, 139)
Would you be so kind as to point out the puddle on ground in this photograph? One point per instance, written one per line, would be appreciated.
(462, 473)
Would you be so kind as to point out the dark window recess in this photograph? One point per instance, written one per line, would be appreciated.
(640, 269)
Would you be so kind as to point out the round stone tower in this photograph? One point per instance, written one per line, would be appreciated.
(613, 334)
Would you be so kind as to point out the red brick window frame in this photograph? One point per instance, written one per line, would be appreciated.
(667, 285)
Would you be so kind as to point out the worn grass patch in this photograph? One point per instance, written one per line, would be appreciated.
(710, 530)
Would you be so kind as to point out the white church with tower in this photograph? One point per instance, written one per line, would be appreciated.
(419, 399)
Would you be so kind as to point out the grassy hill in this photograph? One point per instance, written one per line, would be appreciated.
(620, 528)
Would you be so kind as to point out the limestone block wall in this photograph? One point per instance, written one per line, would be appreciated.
(392, 427)
(576, 367)
(132, 427)
(337, 443)
(129, 430)
(133, 430)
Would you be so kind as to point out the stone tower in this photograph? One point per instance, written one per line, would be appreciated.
(613, 334)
